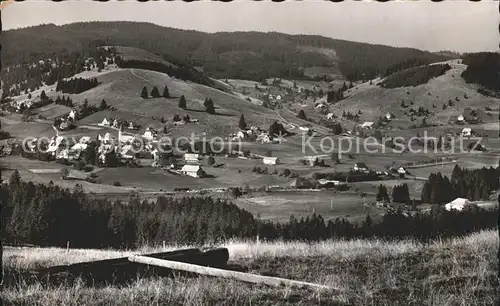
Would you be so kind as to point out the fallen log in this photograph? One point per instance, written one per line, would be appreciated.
(245, 277)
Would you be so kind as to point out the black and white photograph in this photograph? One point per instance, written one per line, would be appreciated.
(249, 153)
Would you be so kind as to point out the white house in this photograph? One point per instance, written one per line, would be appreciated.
(149, 133)
(367, 124)
(115, 123)
(72, 115)
(84, 139)
(466, 132)
(388, 116)
(192, 170)
(329, 116)
(54, 144)
(461, 118)
(311, 160)
(326, 182)
(303, 128)
(278, 97)
(132, 126)
(270, 160)
(127, 152)
(241, 135)
(155, 154)
(192, 158)
(457, 204)
(320, 105)
(104, 122)
(79, 147)
(402, 172)
(106, 138)
(360, 167)
(263, 138)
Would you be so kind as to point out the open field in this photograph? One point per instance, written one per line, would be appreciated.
(460, 271)
(281, 206)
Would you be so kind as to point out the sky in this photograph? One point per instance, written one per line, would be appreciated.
(455, 25)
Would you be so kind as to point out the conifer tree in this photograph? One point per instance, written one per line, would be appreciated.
(103, 105)
(182, 102)
(166, 93)
(155, 93)
(242, 123)
(144, 93)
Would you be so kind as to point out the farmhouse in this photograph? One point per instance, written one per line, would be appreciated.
(466, 132)
(329, 116)
(132, 126)
(107, 138)
(460, 119)
(263, 138)
(54, 144)
(470, 115)
(72, 115)
(320, 105)
(457, 204)
(104, 122)
(388, 116)
(360, 167)
(193, 170)
(402, 172)
(328, 183)
(149, 134)
(367, 124)
(127, 152)
(311, 160)
(270, 160)
(191, 158)
(240, 135)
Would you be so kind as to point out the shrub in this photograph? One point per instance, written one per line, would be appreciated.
(117, 183)
(286, 172)
(79, 165)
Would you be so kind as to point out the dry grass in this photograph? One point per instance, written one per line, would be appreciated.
(460, 271)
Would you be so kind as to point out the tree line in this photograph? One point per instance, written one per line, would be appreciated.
(247, 55)
(51, 216)
(472, 184)
(76, 85)
(415, 76)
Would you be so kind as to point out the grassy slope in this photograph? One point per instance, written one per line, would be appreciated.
(375, 101)
(461, 271)
(121, 88)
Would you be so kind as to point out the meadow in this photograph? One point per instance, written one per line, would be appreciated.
(459, 271)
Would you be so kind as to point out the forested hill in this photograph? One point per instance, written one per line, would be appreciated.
(249, 55)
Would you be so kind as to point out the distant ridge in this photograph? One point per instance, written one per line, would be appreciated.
(245, 55)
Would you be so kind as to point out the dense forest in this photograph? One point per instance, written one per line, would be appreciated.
(183, 73)
(415, 76)
(472, 184)
(76, 85)
(483, 69)
(247, 55)
(49, 215)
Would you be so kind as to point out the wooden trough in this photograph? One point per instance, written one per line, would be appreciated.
(121, 270)
(187, 262)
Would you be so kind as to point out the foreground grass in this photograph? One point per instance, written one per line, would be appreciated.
(461, 271)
